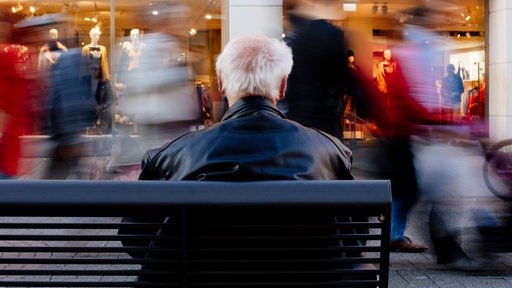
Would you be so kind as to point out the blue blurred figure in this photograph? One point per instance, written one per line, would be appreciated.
(70, 109)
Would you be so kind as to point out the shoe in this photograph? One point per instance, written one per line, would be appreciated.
(462, 264)
(406, 245)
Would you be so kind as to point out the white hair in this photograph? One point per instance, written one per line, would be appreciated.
(254, 65)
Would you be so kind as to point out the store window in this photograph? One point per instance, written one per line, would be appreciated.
(458, 37)
(123, 28)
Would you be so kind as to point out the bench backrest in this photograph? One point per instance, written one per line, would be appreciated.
(188, 234)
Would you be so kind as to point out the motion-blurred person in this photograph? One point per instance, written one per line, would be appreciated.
(70, 111)
(415, 58)
(413, 103)
(15, 116)
(397, 108)
(451, 91)
(316, 84)
(161, 95)
(34, 33)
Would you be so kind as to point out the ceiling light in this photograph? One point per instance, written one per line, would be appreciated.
(350, 7)
(208, 16)
(155, 12)
(17, 8)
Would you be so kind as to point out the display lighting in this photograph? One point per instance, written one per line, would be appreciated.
(94, 19)
(349, 5)
(17, 8)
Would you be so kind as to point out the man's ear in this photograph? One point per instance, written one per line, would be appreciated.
(282, 89)
(221, 87)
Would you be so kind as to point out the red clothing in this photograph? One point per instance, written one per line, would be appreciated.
(15, 113)
(476, 105)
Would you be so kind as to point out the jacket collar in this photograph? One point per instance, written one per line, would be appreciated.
(251, 104)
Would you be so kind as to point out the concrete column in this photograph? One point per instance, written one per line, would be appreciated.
(500, 69)
(246, 17)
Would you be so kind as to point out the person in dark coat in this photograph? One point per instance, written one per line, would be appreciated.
(69, 113)
(316, 84)
(254, 141)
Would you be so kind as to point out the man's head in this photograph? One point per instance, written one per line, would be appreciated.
(254, 65)
(53, 34)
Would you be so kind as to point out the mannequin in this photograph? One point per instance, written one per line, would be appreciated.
(51, 51)
(102, 97)
(385, 70)
(352, 61)
(133, 49)
(95, 51)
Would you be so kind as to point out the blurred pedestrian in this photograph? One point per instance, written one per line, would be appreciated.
(413, 104)
(33, 33)
(70, 110)
(316, 84)
(15, 113)
(161, 96)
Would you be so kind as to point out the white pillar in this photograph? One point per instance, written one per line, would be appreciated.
(500, 69)
(245, 17)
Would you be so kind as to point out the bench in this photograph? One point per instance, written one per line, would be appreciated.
(242, 234)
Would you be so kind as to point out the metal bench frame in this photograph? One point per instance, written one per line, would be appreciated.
(64, 233)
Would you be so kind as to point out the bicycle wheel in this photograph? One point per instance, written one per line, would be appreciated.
(498, 169)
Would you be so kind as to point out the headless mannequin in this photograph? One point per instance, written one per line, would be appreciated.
(51, 51)
(94, 51)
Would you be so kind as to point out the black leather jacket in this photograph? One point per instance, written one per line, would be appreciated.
(253, 142)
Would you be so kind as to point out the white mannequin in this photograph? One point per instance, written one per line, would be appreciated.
(133, 49)
(95, 38)
(51, 51)
(54, 34)
(96, 51)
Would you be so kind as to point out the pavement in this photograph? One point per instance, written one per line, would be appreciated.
(451, 174)
(451, 169)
